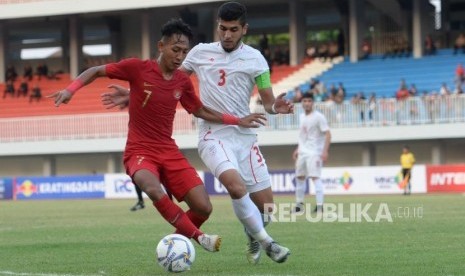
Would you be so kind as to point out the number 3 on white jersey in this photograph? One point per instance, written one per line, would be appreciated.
(222, 77)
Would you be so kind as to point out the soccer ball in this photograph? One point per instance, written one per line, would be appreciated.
(175, 253)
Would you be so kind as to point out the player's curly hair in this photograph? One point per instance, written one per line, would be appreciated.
(176, 26)
(231, 11)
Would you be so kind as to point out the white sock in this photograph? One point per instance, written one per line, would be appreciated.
(319, 194)
(250, 217)
(299, 190)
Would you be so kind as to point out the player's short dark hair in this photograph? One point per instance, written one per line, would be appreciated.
(307, 96)
(231, 11)
(176, 26)
(406, 147)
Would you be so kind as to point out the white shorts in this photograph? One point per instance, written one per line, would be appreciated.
(227, 149)
(308, 166)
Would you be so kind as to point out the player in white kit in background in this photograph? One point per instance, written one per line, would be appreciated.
(227, 71)
(311, 152)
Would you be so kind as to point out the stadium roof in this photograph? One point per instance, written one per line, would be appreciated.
(12, 9)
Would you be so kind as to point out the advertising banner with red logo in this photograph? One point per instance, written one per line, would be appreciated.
(60, 187)
(446, 178)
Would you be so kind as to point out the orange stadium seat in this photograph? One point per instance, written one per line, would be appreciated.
(87, 100)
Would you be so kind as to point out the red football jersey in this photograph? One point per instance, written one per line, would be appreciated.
(152, 102)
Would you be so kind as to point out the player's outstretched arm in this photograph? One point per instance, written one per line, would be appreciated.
(276, 105)
(253, 120)
(118, 97)
(86, 77)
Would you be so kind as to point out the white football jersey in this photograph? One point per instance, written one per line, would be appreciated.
(312, 133)
(226, 80)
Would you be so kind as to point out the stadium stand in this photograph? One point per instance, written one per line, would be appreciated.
(303, 74)
(383, 76)
(87, 100)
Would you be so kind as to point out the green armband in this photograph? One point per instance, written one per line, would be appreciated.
(263, 81)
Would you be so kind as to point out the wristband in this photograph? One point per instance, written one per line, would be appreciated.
(75, 86)
(230, 119)
(273, 109)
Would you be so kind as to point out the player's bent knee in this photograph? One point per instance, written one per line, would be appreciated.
(236, 191)
(153, 192)
(202, 208)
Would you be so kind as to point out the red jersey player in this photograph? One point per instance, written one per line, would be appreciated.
(151, 156)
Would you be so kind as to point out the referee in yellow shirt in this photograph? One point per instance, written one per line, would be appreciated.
(407, 160)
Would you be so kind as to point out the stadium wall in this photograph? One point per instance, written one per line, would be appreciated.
(277, 157)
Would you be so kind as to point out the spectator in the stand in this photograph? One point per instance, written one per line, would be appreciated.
(430, 48)
(459, 43)
(458, 89)
(341, 42)
(332, 50)
(314, 83)
(9, 88)
(54, 75)
(403, 92)
(323, 51)
(371, 106)
(263, 43)
(358, 101)
(10, 73)
(413, 90)
(278, 56)
(403, 84)
(459, 74)
(341, 88)
(319, 95)
(42, 71)
(311, 52)
(444, 90)
(297, 94)
(23, 88)
(28, 74)
(36, 93)
(428, 104)
(366, 49)
(332, 90)
(341, 94)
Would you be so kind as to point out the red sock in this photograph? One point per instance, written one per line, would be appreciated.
(196, 219)
(176, 217)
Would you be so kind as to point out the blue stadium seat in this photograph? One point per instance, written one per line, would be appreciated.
(383, 76)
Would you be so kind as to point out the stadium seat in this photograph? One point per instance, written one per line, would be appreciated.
(383, 76)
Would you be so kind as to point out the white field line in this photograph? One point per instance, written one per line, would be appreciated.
(45, 274)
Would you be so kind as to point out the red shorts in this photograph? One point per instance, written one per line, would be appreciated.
(172, 169)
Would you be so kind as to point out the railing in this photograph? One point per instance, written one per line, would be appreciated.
(386, 112)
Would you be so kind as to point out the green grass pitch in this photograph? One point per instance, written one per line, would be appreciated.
(102, 237)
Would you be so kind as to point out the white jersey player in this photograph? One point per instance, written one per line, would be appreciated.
(311, 152)
(228, 71)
